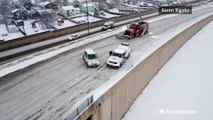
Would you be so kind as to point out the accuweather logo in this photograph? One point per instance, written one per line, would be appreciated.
(177, 112)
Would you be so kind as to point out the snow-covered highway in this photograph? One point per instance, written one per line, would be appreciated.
(11, 54)
(48, 89)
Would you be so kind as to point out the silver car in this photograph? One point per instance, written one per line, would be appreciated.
(74, 37)
(91, 58)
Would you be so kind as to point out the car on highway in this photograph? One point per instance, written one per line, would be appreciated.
(108, 25)
(91, 58)
(74, 37)
(135, 29)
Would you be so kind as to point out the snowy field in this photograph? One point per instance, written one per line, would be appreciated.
(14, 35)
(30, 30)
(182, 90)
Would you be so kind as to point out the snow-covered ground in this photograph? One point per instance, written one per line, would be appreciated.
(66, 24)
(84, 18)
(114, 10)
(29, 30)
(108, 15)
(14, 35)
(182, 90)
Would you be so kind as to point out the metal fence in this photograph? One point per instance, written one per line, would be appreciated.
(80, 109)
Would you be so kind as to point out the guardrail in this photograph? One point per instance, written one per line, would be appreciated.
(115, 102)
(80, 109)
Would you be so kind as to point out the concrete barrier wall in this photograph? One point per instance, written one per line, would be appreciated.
(25, 40)
(117, 100)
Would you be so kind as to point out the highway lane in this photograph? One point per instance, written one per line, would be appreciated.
(19, 52)
(48, 89)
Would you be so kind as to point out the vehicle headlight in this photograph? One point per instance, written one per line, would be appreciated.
(89, 63)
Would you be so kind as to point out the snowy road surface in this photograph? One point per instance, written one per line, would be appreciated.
(182, 90)
(64, 38)
(48, 89)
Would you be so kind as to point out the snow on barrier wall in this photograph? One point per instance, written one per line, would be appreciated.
(114, 103)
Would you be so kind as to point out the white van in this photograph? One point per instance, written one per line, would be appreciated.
(108, 25)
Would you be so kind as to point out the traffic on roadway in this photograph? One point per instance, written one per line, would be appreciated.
(49, 89)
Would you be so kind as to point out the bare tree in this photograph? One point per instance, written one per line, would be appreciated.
(62, 2)
(116, 3)
(65, 2)
(113, 3)
(48, 17)
(102, 4)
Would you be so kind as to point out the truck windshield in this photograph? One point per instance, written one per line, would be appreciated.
(132, 27)
(91, 56)
(116, 54)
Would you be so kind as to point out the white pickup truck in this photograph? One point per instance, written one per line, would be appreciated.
(119, 55)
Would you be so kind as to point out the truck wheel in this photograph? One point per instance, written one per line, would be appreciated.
(128, 56)
(107, 65)
(146, 32)
(87, 65)
(119, 66)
